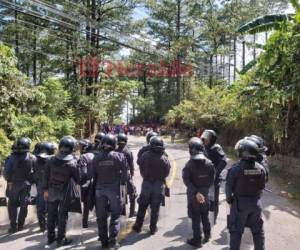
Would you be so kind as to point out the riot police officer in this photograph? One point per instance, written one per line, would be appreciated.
(262, 156)
(43, 150)
(131, 189)
(97, 142)
(198, 175)
(215, 153)
(145, 148)
(59, 171)
(18, 174)
(154, 169)
(109, 174)
(84, 166)
(244, 185)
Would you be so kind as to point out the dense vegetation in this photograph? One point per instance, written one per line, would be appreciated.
(238, 86)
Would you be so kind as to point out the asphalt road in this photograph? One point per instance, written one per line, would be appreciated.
(282, 222)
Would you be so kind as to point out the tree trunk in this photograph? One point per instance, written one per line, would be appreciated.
(178, 61)
(229, 61)
(93, 33)
(34, 70)
(16, 36)
(41, 73)
(234, 58)
(67, 72)
(254, 49)
(244, 53)
(211, 70)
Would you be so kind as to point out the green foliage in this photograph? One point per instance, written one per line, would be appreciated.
(207, 107)
(5, 146)
(265, 23)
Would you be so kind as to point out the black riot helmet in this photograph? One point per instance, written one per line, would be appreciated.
(122, 139)
(157, 144)
(99, 137)
(109, 142)
(149, 135)
(196, 148)
(209, 137)
(46, 149)
(66, 147)
(247, 149)
(85, 146)
(37, 148)
(22, 145)
(260, 142)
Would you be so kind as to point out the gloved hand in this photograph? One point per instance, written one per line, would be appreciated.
(200, 198)
(46, 194)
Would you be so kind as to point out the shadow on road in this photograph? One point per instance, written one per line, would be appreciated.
(28, 230)
(133, 238)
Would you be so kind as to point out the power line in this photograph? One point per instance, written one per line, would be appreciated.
(22, 21)
(39, 52)
(52, 9)
(94, 24)
(19, 8)
(36, 14)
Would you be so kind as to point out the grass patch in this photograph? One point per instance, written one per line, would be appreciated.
(290, 183)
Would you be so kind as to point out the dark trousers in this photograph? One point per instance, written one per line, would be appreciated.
(243, 213)
(131, 190)
(85, 192)
(85, 214)
(40, 204)
(18, 196)
(199, 214)
(108, 201)
(151, 194)
(57, 214)
(217, 185)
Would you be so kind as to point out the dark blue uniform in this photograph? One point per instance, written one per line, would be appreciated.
(141, 152)
(84, 165)
(38, 173)
(198, 175)
(131, 189)
(154, 168)
(244, 185)
(216, 154)
(109, 172)
(18, 172)
(57, 176)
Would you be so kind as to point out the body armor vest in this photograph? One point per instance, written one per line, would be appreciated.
(22, 168)
(200, 173)
(40, 168)
(154, 167)
(107, 171)
(60, 173)
(250, 180)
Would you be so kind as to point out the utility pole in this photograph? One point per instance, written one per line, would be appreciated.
(178, 54)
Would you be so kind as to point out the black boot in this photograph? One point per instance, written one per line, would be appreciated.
(137, 228)
(85, 224)
(113, 244)
(207, 237)
(104, 244)
(194, 242)
(20, 227)
(42, 225)
(153, 230)
(64, 242)
(51, 238)
(12, 229)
